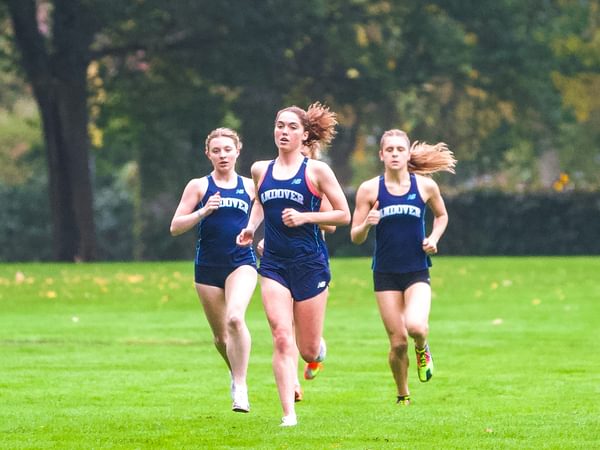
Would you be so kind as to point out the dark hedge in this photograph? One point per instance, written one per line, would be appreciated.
(481, 223)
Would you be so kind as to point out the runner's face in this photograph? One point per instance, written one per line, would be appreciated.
(222, 153)
(289, 132)
(395, 152)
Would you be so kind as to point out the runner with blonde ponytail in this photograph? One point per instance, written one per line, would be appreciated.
(395, 204)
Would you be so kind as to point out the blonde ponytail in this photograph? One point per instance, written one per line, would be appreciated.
(425, 159)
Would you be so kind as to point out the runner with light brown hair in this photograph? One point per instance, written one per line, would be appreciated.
(294, 268)
(395, 204)
(312, 152)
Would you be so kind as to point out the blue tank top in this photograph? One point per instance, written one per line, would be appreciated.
(217, 232)
(275, 195)
(400, 232)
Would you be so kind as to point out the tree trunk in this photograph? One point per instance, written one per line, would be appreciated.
(67, 148)
(64, 226)
(59, 82)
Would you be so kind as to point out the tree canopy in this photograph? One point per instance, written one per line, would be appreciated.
(131, 89)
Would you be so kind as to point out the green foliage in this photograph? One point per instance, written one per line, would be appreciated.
(481, 223)
(20, 150)
(20, 130)
(120, 356)
(492, 223)
(575, 42)
(579, 157)
(502, 82)
(114, 213)
(25, 232)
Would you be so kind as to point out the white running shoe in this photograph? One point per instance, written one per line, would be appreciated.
(322, 351)
(289, 421)
(240, 401)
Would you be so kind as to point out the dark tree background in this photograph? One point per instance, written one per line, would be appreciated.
(127, 92)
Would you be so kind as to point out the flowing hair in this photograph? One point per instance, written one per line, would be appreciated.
(223, 132)
(425, 159)
(320, 123)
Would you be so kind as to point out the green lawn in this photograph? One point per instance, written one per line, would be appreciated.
(120, 356)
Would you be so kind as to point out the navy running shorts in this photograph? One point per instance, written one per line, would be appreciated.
(304, 277)
(399, 281)
(212, 275)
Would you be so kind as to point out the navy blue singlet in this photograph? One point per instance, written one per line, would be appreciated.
(217, 232)
(400, 232)
(275, 195)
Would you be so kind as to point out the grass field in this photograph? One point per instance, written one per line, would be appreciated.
(120, 356)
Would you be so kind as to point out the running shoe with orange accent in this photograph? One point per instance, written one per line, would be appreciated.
(424, 363)
(312, 369)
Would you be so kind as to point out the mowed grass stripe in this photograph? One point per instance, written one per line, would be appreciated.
(120, 356)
